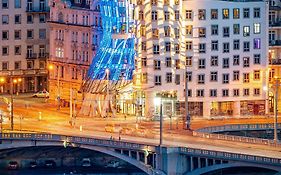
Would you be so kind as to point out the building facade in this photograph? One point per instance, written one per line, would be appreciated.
(219, 47)
(24, 45)
(74, 34)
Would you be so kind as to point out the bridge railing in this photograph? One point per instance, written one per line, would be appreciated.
(74, 139)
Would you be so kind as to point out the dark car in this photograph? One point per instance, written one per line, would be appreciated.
(13, 165)
(33, 164)
(50, 163)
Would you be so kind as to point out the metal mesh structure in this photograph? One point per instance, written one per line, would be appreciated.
(115, 55)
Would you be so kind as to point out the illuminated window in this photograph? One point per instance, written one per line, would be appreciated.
(257, 43)
(201, 14)
(188, 30)
(142, 30)
(144, 77)
(177, 2)
(236, 13)
(246, 78)
(225, 13)
(177, 64)
(166, 2)
(214, 13)
(155, 33)
(202, 32)
(246, 31)
(177, 48)
(59, 52)
(257, 28)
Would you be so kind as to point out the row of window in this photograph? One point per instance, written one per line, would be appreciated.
(201, 77)
(18, 19)
(18, 34)
(17, 3)
(18, 65)
(226, 92)
(29, 51)
(155, 2)
(84, 36)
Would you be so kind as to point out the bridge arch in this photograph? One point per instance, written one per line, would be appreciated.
(230, 165)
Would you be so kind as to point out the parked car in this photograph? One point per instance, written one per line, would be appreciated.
(50, 163)
(33, 164)
(41, 94)
(13, 165)
(86, 162)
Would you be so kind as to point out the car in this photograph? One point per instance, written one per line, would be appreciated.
(41, 94)
(50, 163)
(86, 162)
(13, 165)
(33, 164)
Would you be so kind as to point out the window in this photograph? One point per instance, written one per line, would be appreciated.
(225, 13)
(200, 93)
(5, 35)
(59, 52)
(144, 77)
(202, 32)
(157, 65)
(156, 49)
(246, 92)
(29, 64)
(188, 61)
(177, 33)
(17, 19)
(215, 45)
(188, 14)
(225, 92)
(256, 75)
(214, 13)
(256, 12)
(141, 16)
(225, 78)
(246, 46)
(42, 33)
(246, 31)
(17, 65)
(143, 62)
(17, 50)
(236, 92)
(157, 80)
(246, 13)
(29, 34)
(5, 50)
(236, 75)
(177, 48)
(168, 46)
(214, 29)
(168, 62)
(201, 79)
(42, 18)
(17, 34)
(236, 13)
(5, 4)
(167, 31)
(213, 92)
(169, 77)
(201, 14)
(177, 79)
(177, 2)
(5, 19)
(226, 32)
(257, 28)
(214, 76)
(246, 62)
(246, 77)
(257, 58)
(201, 63)
(155, 33)
(143, 46)
(236, 59)
(29, 19)
(5, 65)
(188, 30)
(225, 47)
(17, 4)
(188, 45)
(257, 43)
(225, 63)
(236, 44)
(167, 15)
(236, 29)
(256, 91)
(202, 47)
(177, 64)
(177, 15)
(214, 60)
(142, 30)
(188, 76)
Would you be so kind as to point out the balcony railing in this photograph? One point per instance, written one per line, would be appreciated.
(275, 43)
(31, 56)
(276, 61)
(37, 9)
(275, 23)
(43, 55)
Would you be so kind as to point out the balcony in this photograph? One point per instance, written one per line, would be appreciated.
(276, 61)
(43, 55)
(31, 56)
(37, 10)
(275, 23)
(275, 43)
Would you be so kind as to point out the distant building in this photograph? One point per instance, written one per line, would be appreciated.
(74, 34)
(24, 45)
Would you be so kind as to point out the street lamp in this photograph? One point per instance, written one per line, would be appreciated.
(50, 68)
(15, 81)
(2, 81)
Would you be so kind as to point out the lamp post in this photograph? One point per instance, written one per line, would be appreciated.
(15, 81)
(187, 116)
(2, 81)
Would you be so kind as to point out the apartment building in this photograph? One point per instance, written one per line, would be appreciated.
(219, 47)
(74, 34)
(24, 45)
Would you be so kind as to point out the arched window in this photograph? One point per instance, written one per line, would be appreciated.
(60, 17)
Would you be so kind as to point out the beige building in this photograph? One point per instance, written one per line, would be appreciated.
(24, 45)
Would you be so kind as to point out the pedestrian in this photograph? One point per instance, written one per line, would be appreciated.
(125, 117)
(119, 137)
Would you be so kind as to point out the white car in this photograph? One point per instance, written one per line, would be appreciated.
(41, 94)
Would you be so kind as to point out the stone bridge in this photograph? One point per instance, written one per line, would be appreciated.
(150, 158)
